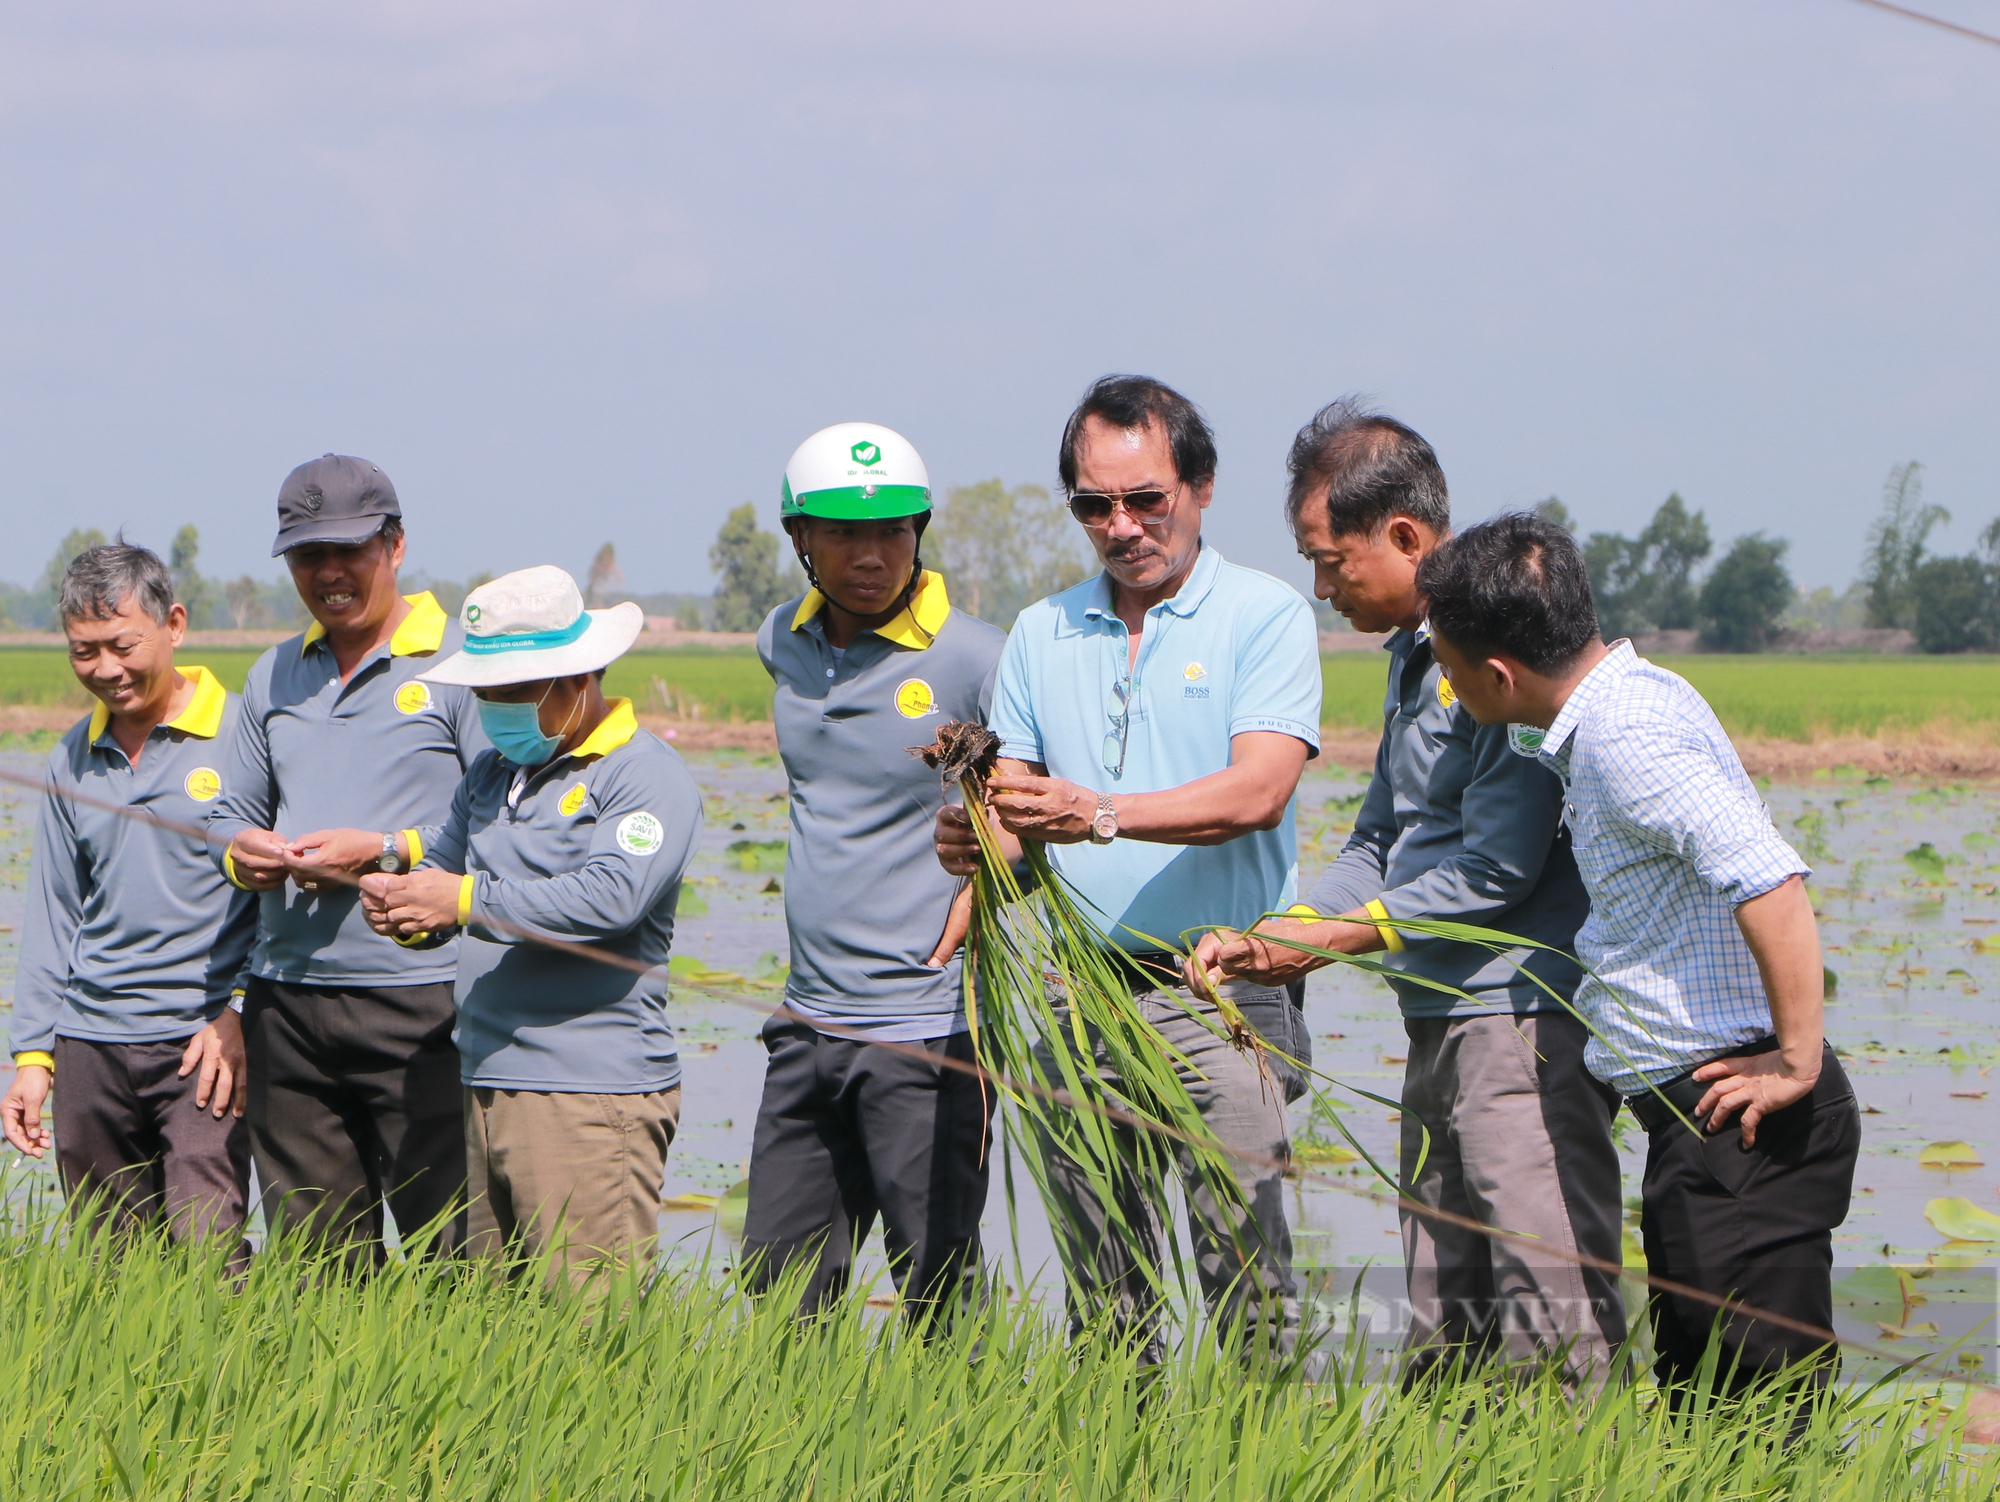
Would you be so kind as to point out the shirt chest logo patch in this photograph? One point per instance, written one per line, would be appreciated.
(572, 800)
(203, 785)
(1525, 740)
(1447, 695)
(413, 697)
(914, 699)
(640, 834)
(1194, 688)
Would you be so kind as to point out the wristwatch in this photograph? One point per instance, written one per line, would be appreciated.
(1104, 828)
(390, 861)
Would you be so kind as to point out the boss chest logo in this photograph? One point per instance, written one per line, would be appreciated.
(1194, 687)
(413, 697)
(914, 699)
(203, 785)
(640, 834)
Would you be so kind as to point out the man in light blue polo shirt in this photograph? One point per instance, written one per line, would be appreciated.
(1154, 723)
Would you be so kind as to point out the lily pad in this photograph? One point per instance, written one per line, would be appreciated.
(757, 856)
(1962, 1220)
(1925, 861)
(1950, 1155)
(691, 1202)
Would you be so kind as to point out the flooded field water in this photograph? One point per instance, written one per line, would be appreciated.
(1906, 879)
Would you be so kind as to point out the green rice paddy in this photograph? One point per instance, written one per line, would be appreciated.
(148, 1375)
(1783, 698)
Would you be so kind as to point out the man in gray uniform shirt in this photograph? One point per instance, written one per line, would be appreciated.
(869, 663)
(575, 828)
(133, 940)
(343, 763)
(1456, 827)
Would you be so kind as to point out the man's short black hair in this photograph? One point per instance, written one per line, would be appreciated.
(1514, 587)
(1373, 467)
(1131, 401)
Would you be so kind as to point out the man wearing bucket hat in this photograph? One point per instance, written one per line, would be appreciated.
(870, 662)
(344, 762)
(572, 832)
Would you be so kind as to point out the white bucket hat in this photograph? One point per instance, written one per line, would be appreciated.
(530, 625)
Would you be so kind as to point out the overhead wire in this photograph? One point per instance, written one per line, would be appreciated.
(1725, 1305)
(1930, 20)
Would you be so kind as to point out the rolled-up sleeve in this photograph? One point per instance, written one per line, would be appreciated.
(1664, 783)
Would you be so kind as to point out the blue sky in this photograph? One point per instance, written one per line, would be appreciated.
(585, 272)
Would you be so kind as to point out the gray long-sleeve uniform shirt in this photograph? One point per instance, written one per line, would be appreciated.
(865, 897)
(1458, 828)
(131, 934)
(588, 849)
(380, 751)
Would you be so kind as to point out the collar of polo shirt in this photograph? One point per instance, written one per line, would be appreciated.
(916, 626)
(202, 717)
(613, 731)
(421, 633)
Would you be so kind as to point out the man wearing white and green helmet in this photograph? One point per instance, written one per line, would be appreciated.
(869, 663)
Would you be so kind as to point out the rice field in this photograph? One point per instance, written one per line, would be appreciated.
(149, 1375)
(1781, 698)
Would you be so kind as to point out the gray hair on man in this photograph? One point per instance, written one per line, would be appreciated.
(100, 580)
(1373, 466)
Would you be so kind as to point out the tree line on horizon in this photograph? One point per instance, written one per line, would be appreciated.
(1005, 547)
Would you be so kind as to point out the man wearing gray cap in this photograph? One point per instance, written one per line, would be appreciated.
(344, 762)
(561, 863)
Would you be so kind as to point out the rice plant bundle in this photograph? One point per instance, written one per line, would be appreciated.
(1053, 1019)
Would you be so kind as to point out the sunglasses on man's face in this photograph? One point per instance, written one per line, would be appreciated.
(1147, 507)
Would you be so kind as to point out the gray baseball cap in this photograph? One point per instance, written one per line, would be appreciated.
(336, 499)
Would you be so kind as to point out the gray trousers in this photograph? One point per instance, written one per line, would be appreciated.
(1244, 1107)
(848, 1131)
(1520, 1139)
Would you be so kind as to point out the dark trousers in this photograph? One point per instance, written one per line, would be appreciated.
(848, 1131)
(1754, 1224)
(354, 1100)
(134, 1149)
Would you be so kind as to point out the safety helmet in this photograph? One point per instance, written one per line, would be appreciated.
(855, 471)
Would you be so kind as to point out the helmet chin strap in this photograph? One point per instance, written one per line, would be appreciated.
(909, 590)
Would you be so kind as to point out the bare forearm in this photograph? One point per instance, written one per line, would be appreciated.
(1208, 811)
(1783, 935)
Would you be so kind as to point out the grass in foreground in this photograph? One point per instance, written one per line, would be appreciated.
(144, 1376)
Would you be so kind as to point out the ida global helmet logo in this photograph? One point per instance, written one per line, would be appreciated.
(866, 453)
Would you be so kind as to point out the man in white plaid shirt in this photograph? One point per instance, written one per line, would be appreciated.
(1706, 982)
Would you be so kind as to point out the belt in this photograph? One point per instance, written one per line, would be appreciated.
(1148, 969)
(1684, 1092)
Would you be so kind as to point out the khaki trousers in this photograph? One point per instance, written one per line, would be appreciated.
(574, 1176)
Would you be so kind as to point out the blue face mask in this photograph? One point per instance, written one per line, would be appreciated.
(516, 732)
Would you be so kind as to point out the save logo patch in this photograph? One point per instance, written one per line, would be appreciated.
(413, 697)
(640, 834)
(1525, 740)
(203, 785)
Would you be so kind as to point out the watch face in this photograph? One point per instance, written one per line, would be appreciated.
(1105, 826)
(388, 863)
